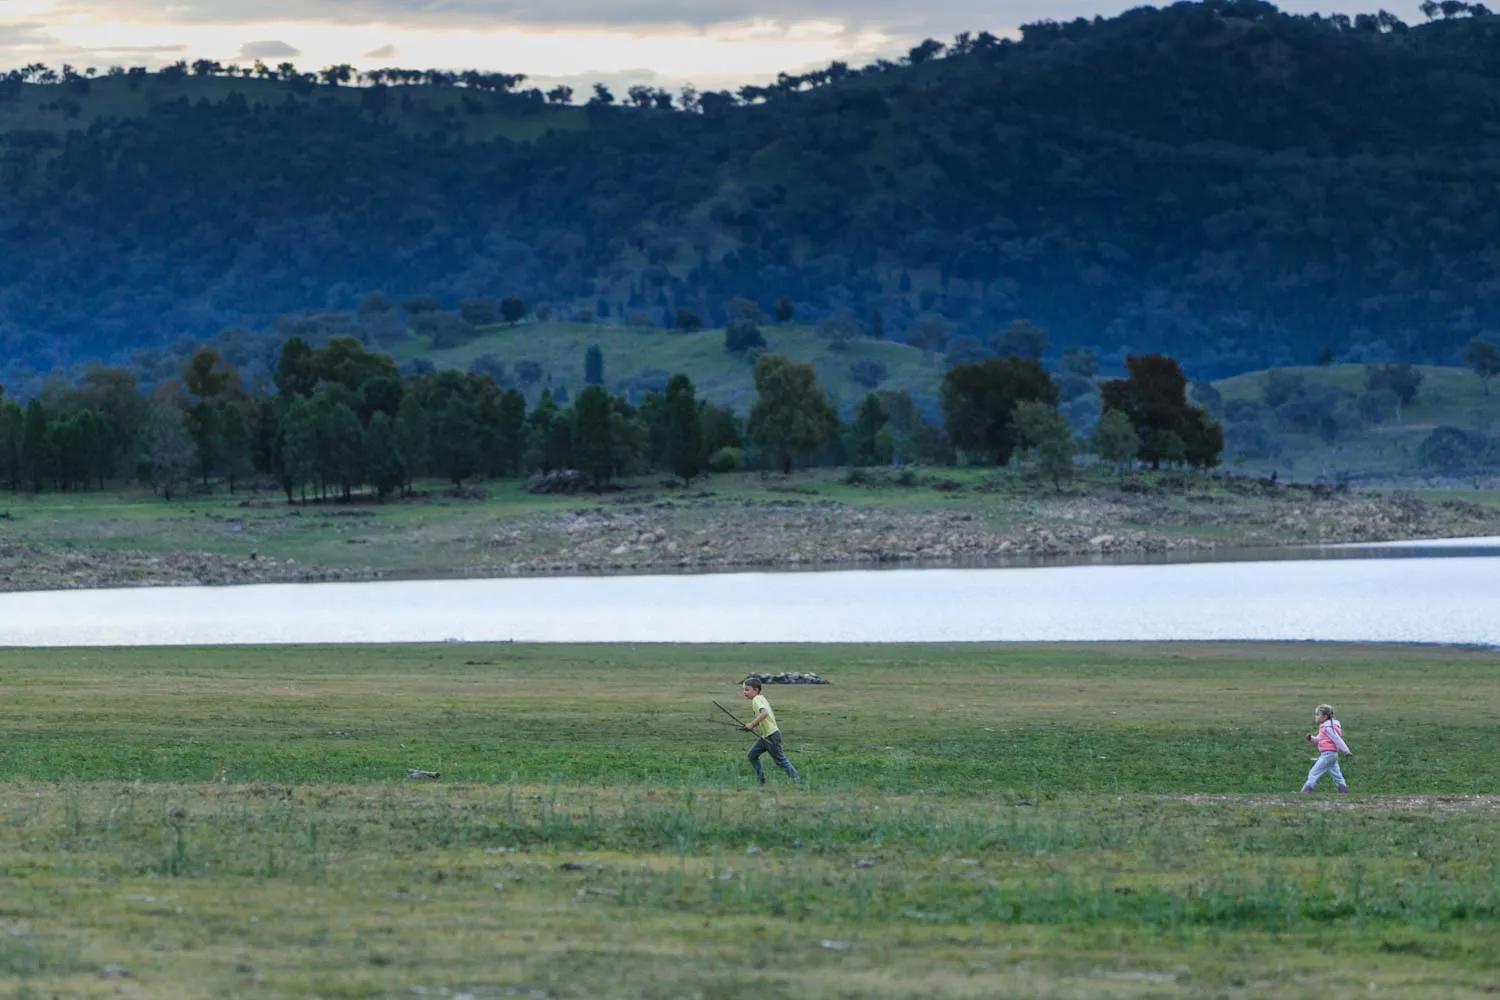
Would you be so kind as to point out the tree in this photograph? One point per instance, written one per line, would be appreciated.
(687, 320)
(510, 430)
(512, 310)
(1451, 451)
(169, 451)
(1404, 380)
(1022, 340)
(745, 309)
(12, 433)
(478, 311)
(454, 444)
(783, 311)
(683, 427)
(1042, 429)
(791, 416)
(839, 329)
(979, 402)
(529, 372)
(1080, 361)
(1484, 357)
(867, 372)
(295, 375)
(208, 376)
(591, 433)
(742, 335)
(593, 366)
(346, 449)
(384, 464)
(930, 333)
(36, 458)
(965, 350)
(412, 437)
(1155, 399)
(1116, 440)
(867, 445)
(234, 443)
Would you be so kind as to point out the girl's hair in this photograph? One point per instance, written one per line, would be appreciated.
(1326, 711)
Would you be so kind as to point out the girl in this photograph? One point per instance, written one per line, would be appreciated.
(1329, 739)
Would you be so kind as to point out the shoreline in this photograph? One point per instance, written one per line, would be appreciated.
(274, 574)
(741, 526)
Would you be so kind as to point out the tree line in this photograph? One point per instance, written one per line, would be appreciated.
(340, 420)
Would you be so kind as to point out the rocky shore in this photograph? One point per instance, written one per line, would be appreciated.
(29, 567)
(681, 532)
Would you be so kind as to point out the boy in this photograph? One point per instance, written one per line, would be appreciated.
(1329, 740)
(764, 726)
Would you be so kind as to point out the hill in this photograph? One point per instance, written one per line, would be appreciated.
(1234, 185)
(1323, 422)
(638, 360)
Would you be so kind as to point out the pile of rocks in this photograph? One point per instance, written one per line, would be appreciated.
(560, 481)
(787, 678)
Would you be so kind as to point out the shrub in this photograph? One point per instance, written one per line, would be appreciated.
(726, 460)
(867, 372)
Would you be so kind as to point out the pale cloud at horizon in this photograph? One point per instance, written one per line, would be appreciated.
(712, 43)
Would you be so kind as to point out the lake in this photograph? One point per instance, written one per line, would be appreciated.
(1420, 596)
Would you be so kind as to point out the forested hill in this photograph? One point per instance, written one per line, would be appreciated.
(1233, 185)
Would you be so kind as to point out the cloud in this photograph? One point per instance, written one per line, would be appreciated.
(713, 43)
(269, 50)
(897, 16)
(24, 34)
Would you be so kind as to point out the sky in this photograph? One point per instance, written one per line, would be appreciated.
(710, 43)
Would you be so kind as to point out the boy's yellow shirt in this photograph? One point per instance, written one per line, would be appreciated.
(768, 724)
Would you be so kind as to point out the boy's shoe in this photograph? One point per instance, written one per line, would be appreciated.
(1343, 789)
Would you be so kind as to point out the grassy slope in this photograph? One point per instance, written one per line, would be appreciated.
(1451, 396)
(717, 374)
(37, 107)
(217, 820)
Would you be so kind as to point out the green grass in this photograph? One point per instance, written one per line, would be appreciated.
(756, 519)
(717, 375)
(1095, 820)
(1448, 396)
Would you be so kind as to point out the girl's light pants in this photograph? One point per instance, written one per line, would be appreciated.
(1327, 763)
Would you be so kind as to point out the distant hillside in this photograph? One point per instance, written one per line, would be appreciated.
(1324, 421)
(639, 360)
(1235, 186)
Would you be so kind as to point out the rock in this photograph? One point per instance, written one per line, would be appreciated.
(560, 481)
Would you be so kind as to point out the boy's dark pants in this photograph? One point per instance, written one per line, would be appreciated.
(771, 745)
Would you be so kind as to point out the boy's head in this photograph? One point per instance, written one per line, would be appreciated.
(750, 687)
(1324, 713)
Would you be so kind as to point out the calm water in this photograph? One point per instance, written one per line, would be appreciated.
(1422, 598)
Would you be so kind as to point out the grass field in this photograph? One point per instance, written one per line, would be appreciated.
(975, 822)
(1449, 396)
(717, 375)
